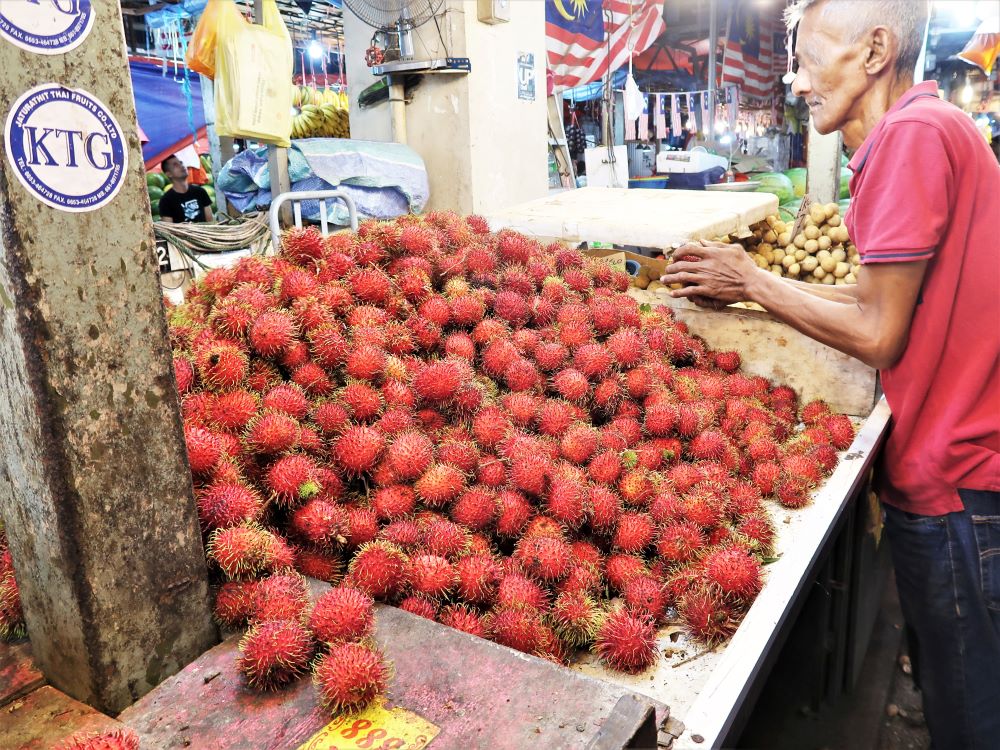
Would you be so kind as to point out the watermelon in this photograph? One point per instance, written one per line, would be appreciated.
(789, 210)
(776, 183)
(155, 180)
(155, 194)
(845, 182)
(798, 177)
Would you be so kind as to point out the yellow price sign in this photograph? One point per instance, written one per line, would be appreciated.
(375, 728)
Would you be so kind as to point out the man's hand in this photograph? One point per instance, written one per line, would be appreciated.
(721, 275)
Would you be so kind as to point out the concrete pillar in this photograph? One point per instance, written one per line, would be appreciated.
(95, 488)
(823, 162)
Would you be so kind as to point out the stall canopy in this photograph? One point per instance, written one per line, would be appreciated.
(170, 118)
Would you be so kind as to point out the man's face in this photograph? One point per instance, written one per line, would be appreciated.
(175, 170)
(831, 76)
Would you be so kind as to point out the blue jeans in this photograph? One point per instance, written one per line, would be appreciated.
(948, 575)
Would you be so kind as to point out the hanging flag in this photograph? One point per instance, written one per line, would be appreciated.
(675, 115)
(661, 116)
(693, 115)
(732, 106)
(587, 38)
(749, 58)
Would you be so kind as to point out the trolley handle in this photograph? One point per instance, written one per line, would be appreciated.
(309, 195)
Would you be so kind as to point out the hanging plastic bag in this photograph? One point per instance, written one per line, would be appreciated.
(200, 55)
(253, 77)
(635, 100)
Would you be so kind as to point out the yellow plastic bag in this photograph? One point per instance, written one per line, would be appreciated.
(200, 55)
(253, 77)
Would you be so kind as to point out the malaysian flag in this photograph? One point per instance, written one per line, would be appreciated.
(587, 38)
(749, 59)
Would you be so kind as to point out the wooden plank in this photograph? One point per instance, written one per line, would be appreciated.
(478, 693)
(644, 218)
(779, 352)
(628, 713)
(46, 717)
(18, 675)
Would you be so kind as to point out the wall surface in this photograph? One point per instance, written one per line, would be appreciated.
(483, 147)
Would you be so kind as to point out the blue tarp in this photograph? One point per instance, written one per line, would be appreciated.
(162, 106)
(386, 180)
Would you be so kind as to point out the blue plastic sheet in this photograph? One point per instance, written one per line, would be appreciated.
(162, 106)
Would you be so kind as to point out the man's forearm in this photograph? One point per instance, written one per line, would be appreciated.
(840, 293)
(836, 320)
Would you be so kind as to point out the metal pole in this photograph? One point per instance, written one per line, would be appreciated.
(713, 43)
(397, 109)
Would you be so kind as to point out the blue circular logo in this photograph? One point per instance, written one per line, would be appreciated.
(47, 27)
(66, 147)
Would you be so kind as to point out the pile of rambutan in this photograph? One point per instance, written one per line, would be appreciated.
(481, 430)
(11, 616)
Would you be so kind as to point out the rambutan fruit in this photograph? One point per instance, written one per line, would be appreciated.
(802, 467)
(393, 501)
(636, 488)
(517, 589)
(545, 558)
(464, 618)
(184, 374)
(576, 617)
(744, 498)
(370, 285)
(763, 449)
(841, 430)
(274, 653)
(736, 572)
(227, 503)
(812, 413)
(410, 454)
(342, 614)
(571, 384)
(825, 457)
(634, 532)
(708, 446)
(680, 541)
(593, 360)
(467, 310)
(320, 523)
(605, 468)
(349, 676)
(323, 566)
(292, 478)
(554, 417)
(431, 575)
(460, 345)
(240, 551)
(647, 595)
(626, 641)
(550, 355)
(358, 449)
(366, 362)
(620, 568)
(608, 395)
(111, 739)
(439, 485)
(272, 432)
(766, 476)
(312, 379)
(567, 500)
(758, 531)
(604, 510)
(421, 606)
(425, 333)
(478, 578)
(582, 579)
(234, 603)
(283, 596)
(460, 453)
(627, 347)
(666, 506)
(439, 381)
(727, 361)
(497, 356)
(490, 426)
(379, 569)
(476, 508)
(579, 443)
(436, 310)
(362, 525)
(272, 332)
(328, 346)
(514, 512)
(302, 246)
(204, 449)
(221, 366)
(404, 533)
(286, 398)
(516, 627)
(705, 504)
(522, 407)
(706, 614)
(512, 308)
(792, 492)
(627, 428)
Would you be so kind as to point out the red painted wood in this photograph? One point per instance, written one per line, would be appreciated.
(45, 717)
(18, 675)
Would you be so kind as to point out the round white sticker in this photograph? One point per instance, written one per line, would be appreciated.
(47, 27)
(66, 147)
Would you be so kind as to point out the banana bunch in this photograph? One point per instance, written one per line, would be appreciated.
(320, 113)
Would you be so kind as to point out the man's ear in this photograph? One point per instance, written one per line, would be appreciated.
(881, 46)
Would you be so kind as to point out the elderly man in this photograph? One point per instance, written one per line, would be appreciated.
(926, 313)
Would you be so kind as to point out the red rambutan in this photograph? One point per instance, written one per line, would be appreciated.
(626, 641)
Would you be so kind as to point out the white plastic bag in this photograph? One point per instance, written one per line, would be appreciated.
(635, 100)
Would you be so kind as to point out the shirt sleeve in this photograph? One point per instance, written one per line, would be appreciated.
(901, 211)
(203, 200)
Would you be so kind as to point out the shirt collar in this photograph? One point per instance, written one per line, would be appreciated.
(924, 87)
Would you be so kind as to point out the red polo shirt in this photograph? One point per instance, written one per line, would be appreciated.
(927, 187)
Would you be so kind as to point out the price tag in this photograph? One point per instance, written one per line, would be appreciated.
(616, 261)
(163, 256)
(375, 728)
(807, 201)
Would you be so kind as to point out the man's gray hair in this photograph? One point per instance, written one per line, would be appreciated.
(906, 19)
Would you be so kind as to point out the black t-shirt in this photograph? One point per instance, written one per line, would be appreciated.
(185, 207)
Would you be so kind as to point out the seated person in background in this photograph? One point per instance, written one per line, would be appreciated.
(185, 203)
